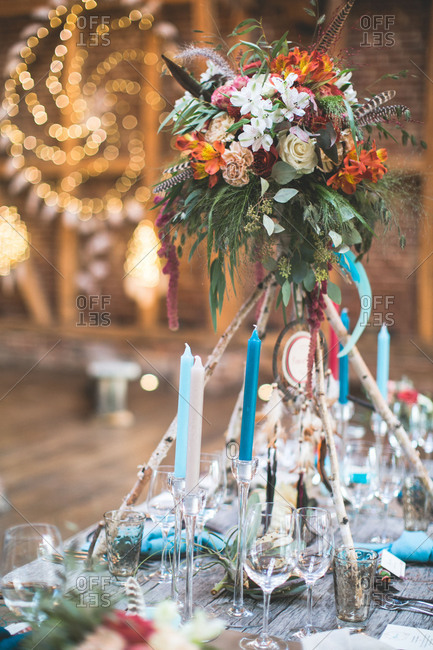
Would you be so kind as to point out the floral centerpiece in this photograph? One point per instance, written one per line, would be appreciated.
(279, 165)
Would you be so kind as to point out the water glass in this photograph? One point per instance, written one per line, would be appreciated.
(270, 557)
(353, 584)
(359, 472)
(213, 480)
(124, 532)
(161, 509)
(315, 548)
(33, 569)
(416, 504)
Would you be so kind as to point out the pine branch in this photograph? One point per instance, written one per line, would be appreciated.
(333, 31)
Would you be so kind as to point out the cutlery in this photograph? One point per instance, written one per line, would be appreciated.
(402, 600)
(406, 608)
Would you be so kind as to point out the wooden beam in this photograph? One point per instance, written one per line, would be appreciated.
(424, 272)
(30, 288)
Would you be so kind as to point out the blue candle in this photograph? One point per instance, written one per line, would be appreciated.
(344, 364)
(250, 397)
(186, 363)
(382, 371)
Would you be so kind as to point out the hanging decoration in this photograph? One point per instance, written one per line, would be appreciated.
(14, 240)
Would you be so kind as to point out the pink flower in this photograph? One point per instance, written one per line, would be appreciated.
(221, 96)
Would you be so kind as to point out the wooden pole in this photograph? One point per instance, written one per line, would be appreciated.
(382, 408)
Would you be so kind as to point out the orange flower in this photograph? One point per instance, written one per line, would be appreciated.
(310, 67)
(211, 155)
(188, 142)
(369, 166)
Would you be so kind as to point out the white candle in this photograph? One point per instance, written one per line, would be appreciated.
(195, 426)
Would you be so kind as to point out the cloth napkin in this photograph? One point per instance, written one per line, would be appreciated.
(151, 544)
(7, 641)
(411, 546)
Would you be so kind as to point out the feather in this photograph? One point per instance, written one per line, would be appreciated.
(193, 52)
(176, 168)
(185, 80)
(174, 180)
(134, 595)
(333, 31)
(384, 113)
(375, 102)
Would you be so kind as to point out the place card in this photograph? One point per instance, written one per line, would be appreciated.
(391, 563)
(407, 638)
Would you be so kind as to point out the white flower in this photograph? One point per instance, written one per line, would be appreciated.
(300, 155)
(201, 628)
(349, 92)
(102, 639)
(218, 127)
(168, 638)
(294, 101)
(257, 91)
(210, 71)
(253, 136)
(184, 101)
(166, 612)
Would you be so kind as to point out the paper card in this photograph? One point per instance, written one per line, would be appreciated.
(393, 564)
(407, 638)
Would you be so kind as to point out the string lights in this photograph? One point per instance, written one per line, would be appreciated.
(94, 108)
(14, 240)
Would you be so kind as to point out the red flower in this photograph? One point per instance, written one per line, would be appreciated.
(264, 161)
(409, 396)
(330, 89)
(132, 628)
(369, 166)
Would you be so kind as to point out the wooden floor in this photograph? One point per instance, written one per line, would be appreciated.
(59, 464)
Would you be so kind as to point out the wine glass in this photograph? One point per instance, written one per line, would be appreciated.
(213, 480)
(160, 508)
(270, 556)
(390, 476)
(315, 551)
(359, 473)
(33, 569)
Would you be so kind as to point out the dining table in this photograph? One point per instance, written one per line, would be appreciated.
(288, 613)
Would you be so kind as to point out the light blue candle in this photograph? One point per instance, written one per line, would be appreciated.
(382, 371)
(344, 364)
(186, 363)
(250, 397)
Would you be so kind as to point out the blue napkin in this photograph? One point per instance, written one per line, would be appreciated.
(7, 641)
(151, 544)
(411, 546)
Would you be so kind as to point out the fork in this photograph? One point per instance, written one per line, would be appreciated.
(393, 599)
(394, 607)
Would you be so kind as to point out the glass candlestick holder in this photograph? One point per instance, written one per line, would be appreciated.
(244, 471)
(192, 506)
(342, 413)
(380, 430)
(177, 489)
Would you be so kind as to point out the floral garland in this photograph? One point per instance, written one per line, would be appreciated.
(278, 161)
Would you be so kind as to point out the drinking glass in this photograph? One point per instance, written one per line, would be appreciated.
(33, 569)
(390, 476)
(213, 480)
(270, 557)
(124, 532)
(359, 473)
(315, 551)
(160, 507)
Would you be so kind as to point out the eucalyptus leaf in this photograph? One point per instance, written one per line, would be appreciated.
(299, 271)
(278, 228)
(285, 194)
(309, 280)
(268, 224)
(283, 173)
(334, 292)
(264, 184)
(286, 291)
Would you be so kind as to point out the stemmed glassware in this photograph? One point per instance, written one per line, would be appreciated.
(160, 507)
(270, 557)
(213, 480)
(359, 473)
(390, 477)
(315, 552)
(33, 568)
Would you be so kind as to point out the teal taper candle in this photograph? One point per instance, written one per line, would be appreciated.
(250, 397)
(186, 363)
